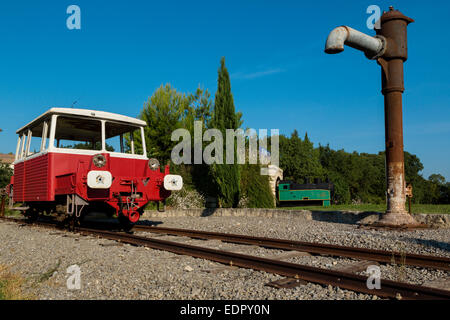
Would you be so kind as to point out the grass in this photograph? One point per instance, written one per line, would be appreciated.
(12, 213)
(400, 266)
(47, 275)
(9, 212)
(11, 286)
(415, 208)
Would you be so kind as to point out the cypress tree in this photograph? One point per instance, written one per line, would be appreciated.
(226, 177)
(255, 188)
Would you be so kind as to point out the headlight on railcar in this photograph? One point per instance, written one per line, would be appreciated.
(99, 160)
(153, 164)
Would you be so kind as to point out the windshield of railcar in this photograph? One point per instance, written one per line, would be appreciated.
(123, 138)
(78, 133)
(86, 134)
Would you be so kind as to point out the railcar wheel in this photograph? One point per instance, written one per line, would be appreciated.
(74, 223)
(31, 214)
(125, 223)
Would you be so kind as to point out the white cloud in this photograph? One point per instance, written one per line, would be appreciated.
(254, 75)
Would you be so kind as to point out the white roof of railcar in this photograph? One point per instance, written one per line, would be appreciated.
(85, 113)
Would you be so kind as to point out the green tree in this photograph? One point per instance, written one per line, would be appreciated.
(225, 176)
(298, 159)
(164, 112)
(423, 190)
(255, 188)
(199, 108)
(439, 189)
(88, 146)
(437, 179)
(5, 174)
(167, 110)
(341, 193)
(445, 197)
(335, 166)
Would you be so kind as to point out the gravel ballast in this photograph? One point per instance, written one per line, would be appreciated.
(111, 270)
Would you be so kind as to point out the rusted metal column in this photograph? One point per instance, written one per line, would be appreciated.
(393, 29)
(389, 49)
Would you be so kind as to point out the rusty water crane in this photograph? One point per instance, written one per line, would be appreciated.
(389, 49)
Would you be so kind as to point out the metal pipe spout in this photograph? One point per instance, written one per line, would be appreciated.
(373, 47)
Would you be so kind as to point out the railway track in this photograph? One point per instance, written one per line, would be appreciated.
(344, 280)
(425, 261)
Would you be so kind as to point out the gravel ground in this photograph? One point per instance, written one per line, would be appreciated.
(110, 270)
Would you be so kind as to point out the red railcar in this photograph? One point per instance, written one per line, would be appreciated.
(74, 161)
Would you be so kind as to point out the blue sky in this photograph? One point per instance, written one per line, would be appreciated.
(280, 76)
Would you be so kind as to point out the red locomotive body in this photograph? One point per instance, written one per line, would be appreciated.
(75, 167)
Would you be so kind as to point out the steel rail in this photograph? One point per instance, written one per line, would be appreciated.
(410, 259)
(344, 280)
(416, 260)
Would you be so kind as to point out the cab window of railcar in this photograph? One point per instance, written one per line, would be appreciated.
(38, 142)
(35, 142)
(78, 133)
(123, 138)
(19, 142)
(21, 145)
